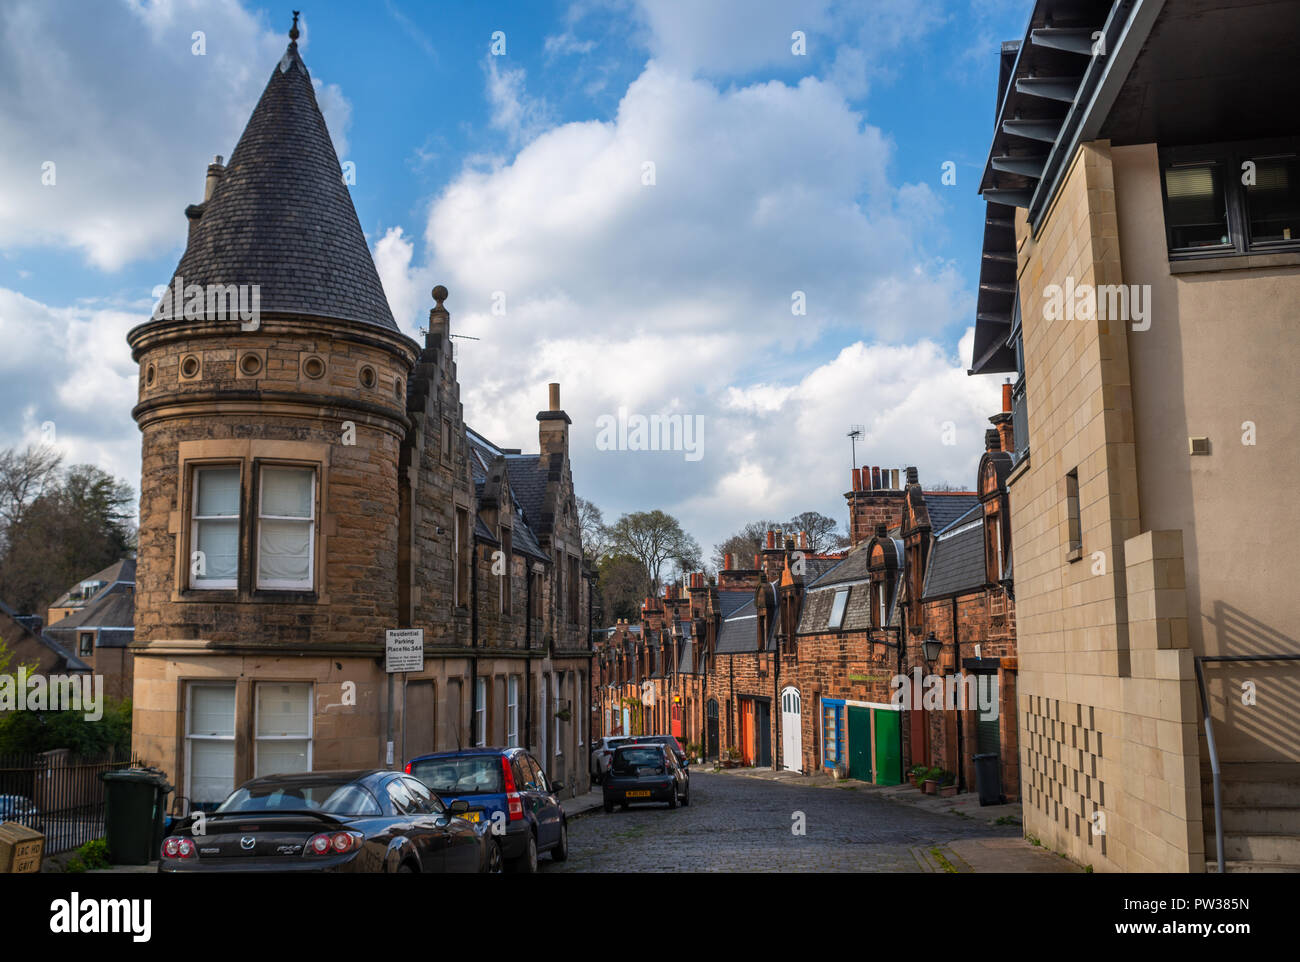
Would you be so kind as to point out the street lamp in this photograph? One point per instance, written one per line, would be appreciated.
(931, 647)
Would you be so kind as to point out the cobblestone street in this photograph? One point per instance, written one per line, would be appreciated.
(743, 824)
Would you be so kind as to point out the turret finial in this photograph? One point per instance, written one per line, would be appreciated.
(293, 31)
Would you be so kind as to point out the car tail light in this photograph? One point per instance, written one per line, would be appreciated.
(514, 801)
(174, 846)
(407, 769)
(333, 843)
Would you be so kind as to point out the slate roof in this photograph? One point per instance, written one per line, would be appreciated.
(739, 632)
(945, 507)
(523, 535)
(112, 613)
(730, 601)
(281, 216)
(528, 484)
(957, 561)
(123, 571)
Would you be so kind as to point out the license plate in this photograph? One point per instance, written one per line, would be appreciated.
(470, 816)
(645, 794)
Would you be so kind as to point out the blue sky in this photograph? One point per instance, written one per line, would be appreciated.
(521, 175)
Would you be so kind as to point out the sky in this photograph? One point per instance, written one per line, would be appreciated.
(735, 211)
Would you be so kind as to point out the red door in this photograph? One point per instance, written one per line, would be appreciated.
(677, 720)
(747, 731)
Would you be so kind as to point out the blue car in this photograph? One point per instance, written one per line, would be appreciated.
(507, 792)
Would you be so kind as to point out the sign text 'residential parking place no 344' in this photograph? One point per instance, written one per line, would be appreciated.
(404, 650)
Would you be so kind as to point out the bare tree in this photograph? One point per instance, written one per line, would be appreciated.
(595, 537)
(822, 532)
(24, 477)
(654, 539)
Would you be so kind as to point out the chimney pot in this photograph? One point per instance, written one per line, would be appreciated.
(757, 562)
(215, 172)
(893, 478)
(803, 540)
(1006, 395)
(855, 479)
(727, 564)
(875, 479)
(771, 540)
(555, 396)
(912, 476)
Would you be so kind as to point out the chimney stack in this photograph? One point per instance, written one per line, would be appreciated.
(215, 171)
(1003, 421)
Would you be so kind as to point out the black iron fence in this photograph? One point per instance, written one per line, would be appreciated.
(58, 794)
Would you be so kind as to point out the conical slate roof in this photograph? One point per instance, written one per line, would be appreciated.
(281, 216)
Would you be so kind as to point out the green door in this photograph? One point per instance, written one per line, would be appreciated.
(889, 748)
(860, 743)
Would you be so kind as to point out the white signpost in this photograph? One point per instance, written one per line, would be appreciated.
(403, 652)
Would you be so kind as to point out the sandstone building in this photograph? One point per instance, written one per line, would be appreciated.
(1139, 279)
(309, 482)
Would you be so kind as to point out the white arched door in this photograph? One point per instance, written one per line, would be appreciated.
(791, 730)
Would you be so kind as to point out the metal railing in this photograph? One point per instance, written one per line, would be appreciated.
(1209, 735)
(58, 794)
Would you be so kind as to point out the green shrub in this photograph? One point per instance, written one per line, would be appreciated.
(94, 854)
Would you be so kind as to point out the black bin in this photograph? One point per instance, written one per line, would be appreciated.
(135, 800)
(988, 778)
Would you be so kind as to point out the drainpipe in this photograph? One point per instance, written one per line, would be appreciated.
(528, 660)
(473, 640)
(956, 650)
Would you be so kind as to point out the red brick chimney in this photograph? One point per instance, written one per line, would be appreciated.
(1002, 421)
(874, 502)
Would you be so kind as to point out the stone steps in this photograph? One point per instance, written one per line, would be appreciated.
(1261, 817)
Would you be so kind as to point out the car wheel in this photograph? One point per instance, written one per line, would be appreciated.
(406, 868)
(672, 802)
(686, 799)
(609, 807)
(526, 864)
(561, 850)
(495, 863)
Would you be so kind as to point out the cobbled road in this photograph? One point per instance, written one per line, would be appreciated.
(742, 824)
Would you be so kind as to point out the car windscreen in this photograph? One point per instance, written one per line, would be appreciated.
(330, 798)
(635, 759)
(461, 775)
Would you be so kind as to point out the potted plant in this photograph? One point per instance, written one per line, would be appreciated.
(947, 785)
(914, 775)
(931, 780)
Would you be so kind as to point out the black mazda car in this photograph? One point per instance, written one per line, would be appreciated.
(356, 821)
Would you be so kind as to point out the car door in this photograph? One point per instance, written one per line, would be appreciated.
(545, 806)
(417, 823)
(455, 837)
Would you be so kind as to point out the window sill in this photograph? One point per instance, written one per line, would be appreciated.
(1234, 262)
(1074, 554)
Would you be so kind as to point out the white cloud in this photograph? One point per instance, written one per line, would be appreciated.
(130, 152)
(68, 367)
(514, 111)
(676, 298)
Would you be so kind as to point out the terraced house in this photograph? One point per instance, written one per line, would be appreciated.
(1139, 279)
(309, 482)
(796, 662)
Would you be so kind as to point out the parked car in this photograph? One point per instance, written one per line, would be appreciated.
(670, 742)
(353, 821)
(646, 772)
(603, 753)
(507, 792)
(20, 808)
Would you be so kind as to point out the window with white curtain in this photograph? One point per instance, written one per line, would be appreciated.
(512, 711)
(283, 744)
(286, 523)
(214, 533)
(209, 744)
